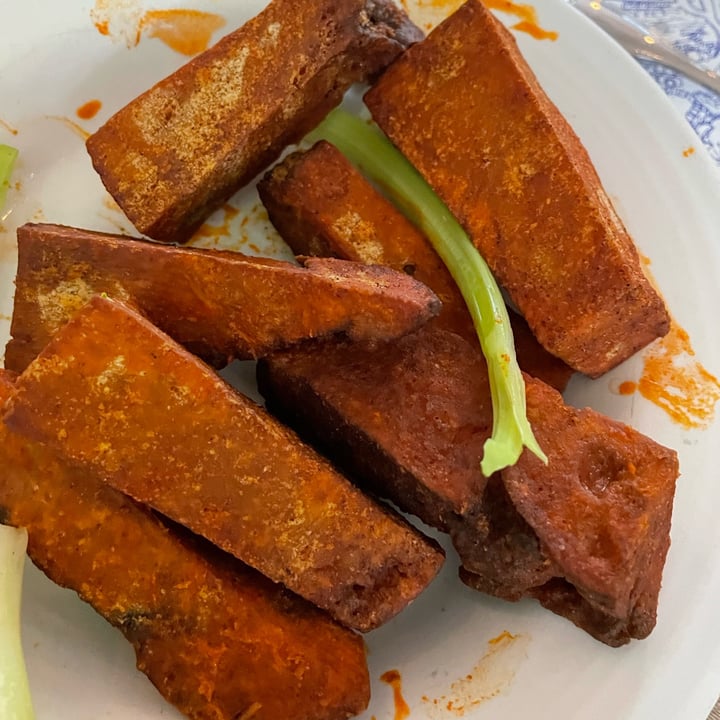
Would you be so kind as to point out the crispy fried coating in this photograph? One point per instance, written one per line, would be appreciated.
(411, 420)
(179, 150)
(588, 534)
(467, 111)
(115, 394)
(603, 514)
(220, 305)
(408, 419)
(215, 637)
(501, 554)
(322, 206)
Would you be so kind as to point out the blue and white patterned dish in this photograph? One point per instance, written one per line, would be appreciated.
(693, 27)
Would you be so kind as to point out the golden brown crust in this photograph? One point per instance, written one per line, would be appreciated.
(214, 636)
(467, 111)
(322, 206)
(182, 148)
(115, 394)
(220, 305)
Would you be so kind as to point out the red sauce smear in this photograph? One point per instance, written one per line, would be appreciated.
(627, 388)
(224, 229)
(687, 152)
(103, 27)
(84, 134)
(8, 127)
(89, 110)
(186, 31)
(677, 383)
(527, 15)
(393, 679)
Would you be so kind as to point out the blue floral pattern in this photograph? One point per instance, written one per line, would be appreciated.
(693, 27)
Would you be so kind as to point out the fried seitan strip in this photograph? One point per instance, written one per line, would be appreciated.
(468, 112)
(115, 394)
(215, 637)
(322, 206)
(604, 515)
(592, 528)
(409, 419)
(220, 305)
(179, 150)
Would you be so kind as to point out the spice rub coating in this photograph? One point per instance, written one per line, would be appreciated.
(322, 206)
(215, 637)
(596, 527)
(407, 419)
(220, 305)
(467, 111)
(179, 150)
(115, 394)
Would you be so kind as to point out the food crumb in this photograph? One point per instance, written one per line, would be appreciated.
(687, 152)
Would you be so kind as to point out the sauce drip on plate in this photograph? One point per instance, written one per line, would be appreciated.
(88, 110)
(393, 679)
(420, 11)
(186, 31)
(677, 383)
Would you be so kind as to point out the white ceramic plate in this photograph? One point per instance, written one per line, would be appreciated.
(52, 60)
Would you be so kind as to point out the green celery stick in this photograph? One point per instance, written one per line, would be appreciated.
(367, 148)
(15, 703)
(8, 155)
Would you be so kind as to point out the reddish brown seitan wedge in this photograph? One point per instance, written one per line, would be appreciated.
(467, 111)
(116, 395)
(586, 534)
(322, 206)
(183, 147)
(408, 419)
(218, 640)
(591, 529)
(220, 305)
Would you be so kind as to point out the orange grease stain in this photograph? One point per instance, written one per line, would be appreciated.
(84, 134)
(393, 679)
(677, 383)
(527, 15)
(89, 110)
(186, 31)
(221, 230)
(490, 676)
(12, 130)
(103, 27)
(687, 152)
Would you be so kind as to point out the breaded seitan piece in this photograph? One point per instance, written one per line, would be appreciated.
(468, 112)
(178, 151)
(594, 522)
(114, 394)
(322, 206)
(218, 640)
(220, 305)
(408, 419)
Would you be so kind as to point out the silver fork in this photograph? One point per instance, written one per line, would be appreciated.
(643, 43)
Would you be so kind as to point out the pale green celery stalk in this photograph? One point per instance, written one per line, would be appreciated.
(368, 149)
(8, 155)
(15, 703)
